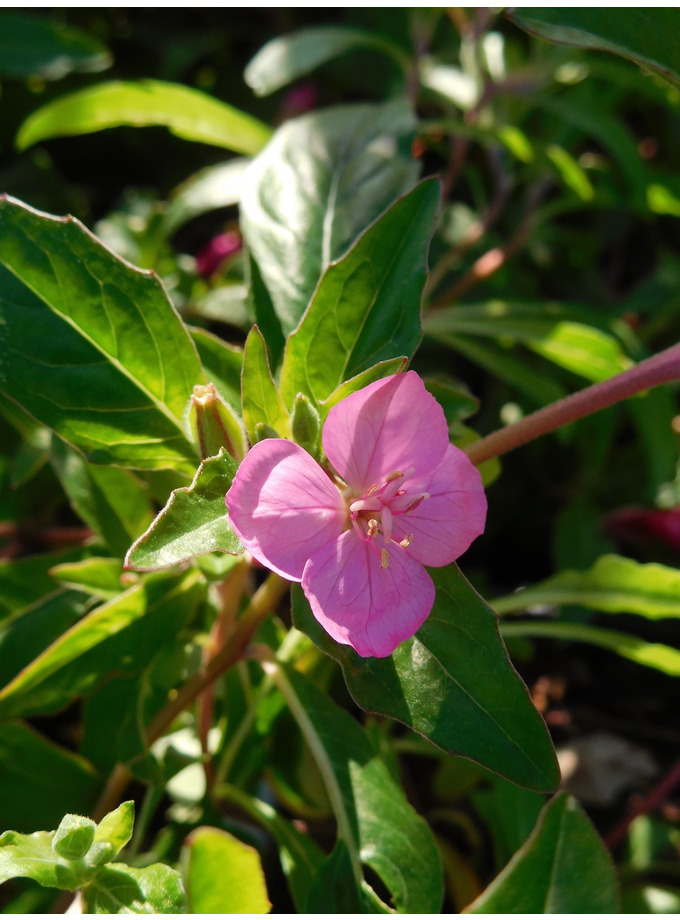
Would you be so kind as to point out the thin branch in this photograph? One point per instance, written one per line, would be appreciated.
(649, 803)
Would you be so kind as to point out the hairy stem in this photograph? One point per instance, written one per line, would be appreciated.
(661, 368)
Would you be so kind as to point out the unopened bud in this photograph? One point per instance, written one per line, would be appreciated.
(305, 424)
(74, 836)
(213, 424)
(264, 431)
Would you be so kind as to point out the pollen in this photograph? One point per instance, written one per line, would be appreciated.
(372, 528)
(384, 559)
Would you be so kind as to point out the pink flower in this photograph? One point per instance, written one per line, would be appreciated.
(407, 499)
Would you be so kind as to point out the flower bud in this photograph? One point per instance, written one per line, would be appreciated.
(74, 836)
(213, 424)
(305, 424)
(263, 431)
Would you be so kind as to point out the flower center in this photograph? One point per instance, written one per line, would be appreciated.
(373, 514)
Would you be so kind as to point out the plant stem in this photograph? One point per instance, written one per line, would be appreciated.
(661, 368)
(263, 602)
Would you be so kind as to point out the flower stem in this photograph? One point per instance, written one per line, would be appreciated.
(661, 368)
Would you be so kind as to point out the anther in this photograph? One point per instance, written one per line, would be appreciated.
(371, 490)
(372, 528)
(384, 559)
(418, 501)
(397, 474)
(406, 541)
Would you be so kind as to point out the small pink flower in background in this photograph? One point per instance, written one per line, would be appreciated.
(213, 254)
(408, 499)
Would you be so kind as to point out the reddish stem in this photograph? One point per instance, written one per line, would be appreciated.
(646, 805)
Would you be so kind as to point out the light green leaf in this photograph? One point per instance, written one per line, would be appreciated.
(35, 46)
(28, 802)
(120, 889)
(113, 502)
(375, 821)
(262, 402)
(187, 113)
(613, 585)
(648, 36)
(571, 172)
(317, 185)
(213, 187)
(563, 868)
(222, 874)
(193, 522)
(90, 346)
(32, 856)
(96, 576)
(366, 308)
(651, 654)
(517, 321)
(112, 833)
(120, 636)
(453, 683)
(288, 57)
(583, 350)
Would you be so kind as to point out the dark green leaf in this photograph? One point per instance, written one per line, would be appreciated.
(96, 576)
(25, 581)
(317, 185)
(186, 112)
(288, 57)
(333, 889)
(223, 875)
(91, 346)
(375, 821)
(113, 502)
(563, 868)
(366, 308)
(452, 682)
(41, 781)
(648, 36)
(35, 46)
(121, 636)
(120, 889)
(222, 365)
(193, 522)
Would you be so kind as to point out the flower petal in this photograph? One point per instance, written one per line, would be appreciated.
(283, 506)
(445, 524)
(392, 424)
(358, 603)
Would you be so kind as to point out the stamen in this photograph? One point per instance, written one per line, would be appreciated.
(384, 559)
(418, 501)
(371, 490)
(406, 541)
(372, 528)
(397, 474)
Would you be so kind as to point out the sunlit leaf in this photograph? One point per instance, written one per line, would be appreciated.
(121, 889)
(262, 402)
(186, 112)
(223, 875)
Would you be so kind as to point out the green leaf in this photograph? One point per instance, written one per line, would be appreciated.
(317, 185)
(222, 365)
(120, 889)
(193, 522)
(187, 113)
(288, 57)
(453, 683)
(121, 637)
(96, 576)
(332, 890)
(112, 833)
(35, 46)
(647, 36)
(613, 585)
(262, 402)
(651, 654)
(74, 837)
(24, 856)
(300, 856)
(90, 346)
(375, 821)
(113, 502)
(583, 350)
(366, 308)
(41, 781)
(563, 868)
(377, 372)
(25, 581)
(223, 875)
(210, 188)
